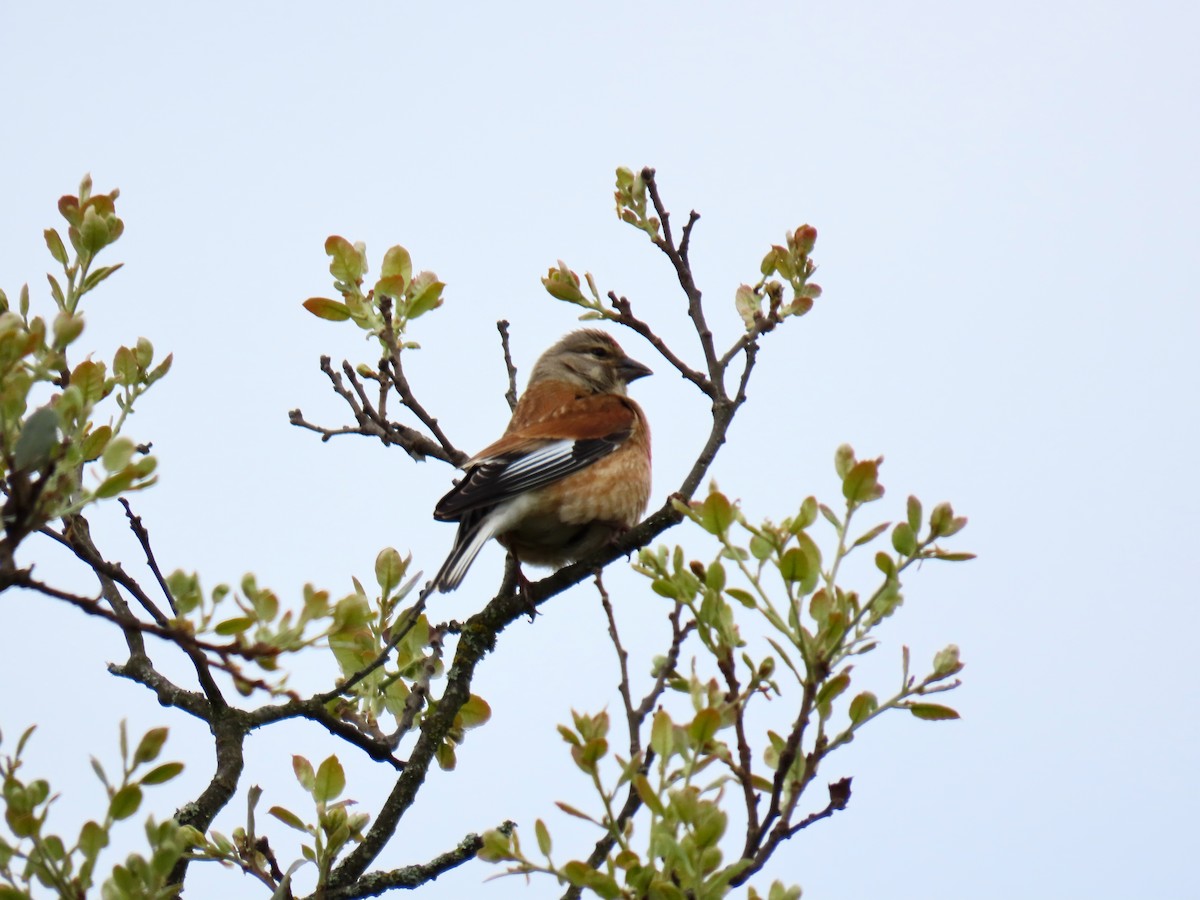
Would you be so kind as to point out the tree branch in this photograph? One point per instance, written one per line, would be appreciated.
(511, 394)
(409, 877)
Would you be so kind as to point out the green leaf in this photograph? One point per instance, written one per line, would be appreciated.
(143, 352)
(474, 712)
(389, 569)
(572, 811)
(946, 661)
(236, 625)
(93, 230)
(830, 516)
(304, 773)
(287, 817)
(760, 547)
(390, 286)
(641, 784)
(932, 711)
(748, 304)
(935, 553)
(662, 733)
(125, 802)
(162, 774)
(150, 745)
(830, 691)
(704, 727)
(714, 577)
(871, 535)
(843, 460)
(861, 484)
(862, 706)
(92, 839)
(324, 308)
(330, 782)
(913, 512)
(56, 291)
(125, 367)
(55, 245)
(543, 837)
(904, 540)
(446, 757)
(95, 442)
(943, 522)
(161, 369)
(741, 596)
(98, 275)
(716, 514)
(427, 298)
(347, 262)
(795, 565)
(820, 606)
(806, 516)
(66, 328)
(397, 264)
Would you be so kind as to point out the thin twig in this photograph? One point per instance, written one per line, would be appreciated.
(91, 606)
(511, 394)
(394, 369)
(626, 317)
(143, 536)
(623, 664)
(743, 770)
(683, 272)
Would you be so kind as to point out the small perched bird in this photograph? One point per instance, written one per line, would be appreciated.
(571, 471)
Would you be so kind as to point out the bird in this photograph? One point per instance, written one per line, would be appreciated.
(570, 472)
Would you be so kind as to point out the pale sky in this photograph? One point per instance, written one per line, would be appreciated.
(1005, 195)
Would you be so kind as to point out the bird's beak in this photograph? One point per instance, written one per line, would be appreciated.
(631, 370)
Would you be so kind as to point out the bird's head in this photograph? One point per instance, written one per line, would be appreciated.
(591, 360)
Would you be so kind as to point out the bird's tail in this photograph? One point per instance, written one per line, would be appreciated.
(475, 529)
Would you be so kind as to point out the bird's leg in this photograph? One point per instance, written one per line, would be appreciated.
(520, 584)
(523, 585)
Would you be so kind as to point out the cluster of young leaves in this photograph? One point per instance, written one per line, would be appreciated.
(563, 284)
(776, 574)
(33, 855)
(386, 308)
(400, 688)
(335, 827)
(794, 264)
(43, 450)
(632, 206)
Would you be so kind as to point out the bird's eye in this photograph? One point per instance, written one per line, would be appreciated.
(599, 352)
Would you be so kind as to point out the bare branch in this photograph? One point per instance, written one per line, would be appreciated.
(143, 536)
(626, 317)
(744, 770)
(683, 271)
(408, 877)
(631, 718)
(511, 394)
(372, 422)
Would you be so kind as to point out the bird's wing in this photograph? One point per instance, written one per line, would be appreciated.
(534, 455)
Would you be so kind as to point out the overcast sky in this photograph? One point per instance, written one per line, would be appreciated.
(1006, 200)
